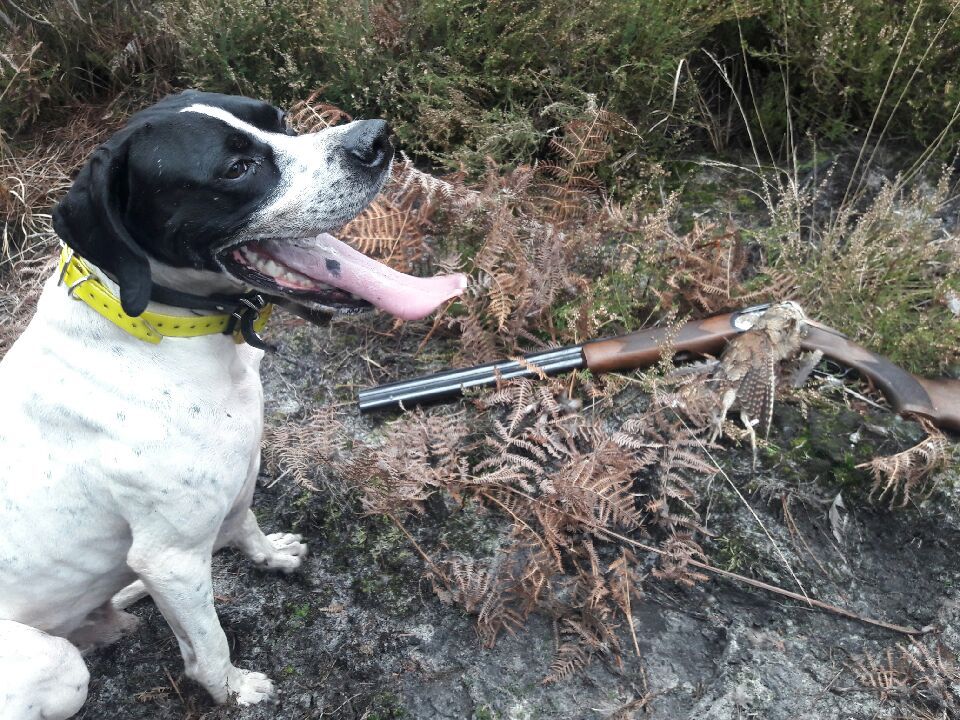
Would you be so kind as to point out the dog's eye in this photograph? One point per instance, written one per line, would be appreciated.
(238, 169)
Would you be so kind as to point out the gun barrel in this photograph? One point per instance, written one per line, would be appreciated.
(638, 349)
(451, 383)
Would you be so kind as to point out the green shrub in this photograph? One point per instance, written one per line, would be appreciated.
(884, 275)
(836, 58)
(55, 54)
(462, 79)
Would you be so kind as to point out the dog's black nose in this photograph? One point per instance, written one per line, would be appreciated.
(368, 142)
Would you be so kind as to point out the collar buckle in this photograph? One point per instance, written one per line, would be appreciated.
(68, 259)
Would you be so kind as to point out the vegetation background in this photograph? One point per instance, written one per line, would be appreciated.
(607, 164)
(774, 88)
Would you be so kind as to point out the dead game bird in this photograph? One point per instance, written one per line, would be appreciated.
(749, 368)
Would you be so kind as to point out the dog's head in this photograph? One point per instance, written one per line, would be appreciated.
(216, 193)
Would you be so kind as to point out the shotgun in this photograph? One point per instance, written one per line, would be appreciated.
(937, 400)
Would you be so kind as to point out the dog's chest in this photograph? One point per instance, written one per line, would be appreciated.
(181, 416)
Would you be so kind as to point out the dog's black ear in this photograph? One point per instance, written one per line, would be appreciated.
(90, 220)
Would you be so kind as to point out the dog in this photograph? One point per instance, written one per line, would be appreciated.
(130, 432)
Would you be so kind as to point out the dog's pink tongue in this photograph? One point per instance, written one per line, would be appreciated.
(335, 263)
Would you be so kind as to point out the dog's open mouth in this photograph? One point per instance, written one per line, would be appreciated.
(324, 271)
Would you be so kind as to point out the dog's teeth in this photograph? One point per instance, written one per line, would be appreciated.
(270, 267)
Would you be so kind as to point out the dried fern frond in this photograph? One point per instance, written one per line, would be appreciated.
(625, 582)
(300, 450)
(708, 269)
(921, 677)
(34, 176)
(313, 115)
(581, 639)
(567, 483)
(450, 190)
(390, 229)
(481, 590)
(539, 225)
(420, 453)
(882, 675)
(679, 549)
(570, 187)
(571, 656)
(900, 475)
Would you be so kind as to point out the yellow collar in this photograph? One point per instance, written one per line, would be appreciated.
(152, 327)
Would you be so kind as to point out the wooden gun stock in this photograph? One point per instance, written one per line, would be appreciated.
(644, 347)
(937, 400)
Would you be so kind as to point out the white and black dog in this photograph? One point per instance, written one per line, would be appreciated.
(127, 461)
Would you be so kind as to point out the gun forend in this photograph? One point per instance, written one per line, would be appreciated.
(645, 347)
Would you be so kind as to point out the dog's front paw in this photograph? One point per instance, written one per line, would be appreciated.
(248, 687)
(287, 553)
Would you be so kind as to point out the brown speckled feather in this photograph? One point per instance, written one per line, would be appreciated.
(757, 390)
(750, 363)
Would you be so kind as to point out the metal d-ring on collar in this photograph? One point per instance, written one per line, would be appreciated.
(63, 271)
(246, 314)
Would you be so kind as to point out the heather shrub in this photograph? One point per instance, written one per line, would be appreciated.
(493, 85)
(54, 55)
(461, 79)
(844, 60)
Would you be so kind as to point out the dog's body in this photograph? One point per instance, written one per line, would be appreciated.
(123, 460)
(104, 438)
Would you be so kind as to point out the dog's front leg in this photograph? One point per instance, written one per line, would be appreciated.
(179, 580)
(282, 552)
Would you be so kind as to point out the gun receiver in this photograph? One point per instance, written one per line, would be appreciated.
(937, 400)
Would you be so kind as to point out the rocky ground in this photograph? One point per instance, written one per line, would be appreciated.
(357, 633)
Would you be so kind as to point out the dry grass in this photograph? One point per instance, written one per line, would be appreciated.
(33, 176)
(880, 270)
